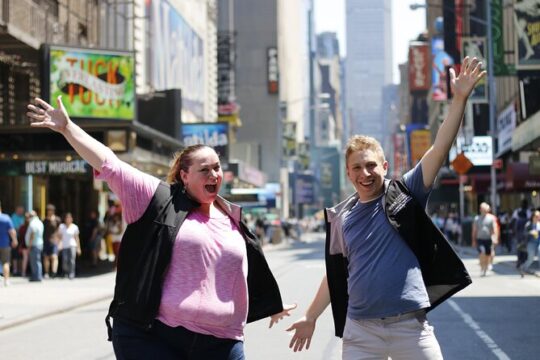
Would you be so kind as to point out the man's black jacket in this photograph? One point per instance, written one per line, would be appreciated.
(146, 252)
(443, 271)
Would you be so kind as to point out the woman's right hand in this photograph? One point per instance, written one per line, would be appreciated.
(43, 115)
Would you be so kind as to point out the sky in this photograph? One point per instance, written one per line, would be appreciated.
(330, 16)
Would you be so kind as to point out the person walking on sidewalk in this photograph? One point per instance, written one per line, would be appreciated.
(532, 231)
(70, 245)
(484, 236)
(34, 241)
(50, 241)
(8, 240)
(387, 263)
(190, 274)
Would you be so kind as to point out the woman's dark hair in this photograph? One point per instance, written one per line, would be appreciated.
(182, 161)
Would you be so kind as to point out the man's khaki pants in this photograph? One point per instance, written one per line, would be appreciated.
(402, 337)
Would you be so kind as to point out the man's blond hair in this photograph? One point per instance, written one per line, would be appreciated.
(363, 142)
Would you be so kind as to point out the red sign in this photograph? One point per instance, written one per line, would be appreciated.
(462, 164)
(419, 67)
(498, 164)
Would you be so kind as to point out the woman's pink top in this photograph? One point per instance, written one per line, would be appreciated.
(205, 287)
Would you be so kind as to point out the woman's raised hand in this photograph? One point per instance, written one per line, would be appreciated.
(43, 115)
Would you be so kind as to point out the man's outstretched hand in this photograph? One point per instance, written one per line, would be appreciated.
(303, 331)
(471, 72)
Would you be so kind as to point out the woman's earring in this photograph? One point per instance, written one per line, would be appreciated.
(184, 189)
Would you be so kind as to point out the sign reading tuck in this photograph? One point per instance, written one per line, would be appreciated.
(93, 83)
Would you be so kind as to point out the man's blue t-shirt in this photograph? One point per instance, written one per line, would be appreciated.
(384, 274)
(5, 226)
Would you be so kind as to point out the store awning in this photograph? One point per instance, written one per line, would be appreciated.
(527, 135)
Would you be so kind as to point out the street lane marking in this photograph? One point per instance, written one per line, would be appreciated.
(495, 349)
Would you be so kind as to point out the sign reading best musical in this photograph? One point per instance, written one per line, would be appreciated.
(93, 83)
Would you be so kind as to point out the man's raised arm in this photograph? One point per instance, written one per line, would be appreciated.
(462, 85)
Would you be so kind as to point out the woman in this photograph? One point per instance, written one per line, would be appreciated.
(182, 285)
(70, 245)
(532, 231)
(22, 244)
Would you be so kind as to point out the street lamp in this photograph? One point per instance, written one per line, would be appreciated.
(491, 88)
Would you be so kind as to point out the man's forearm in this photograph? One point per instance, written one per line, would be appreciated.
(320, 302)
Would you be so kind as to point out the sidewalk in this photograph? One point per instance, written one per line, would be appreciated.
(25, 301)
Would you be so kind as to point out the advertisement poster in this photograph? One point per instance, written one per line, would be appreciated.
(176, 54)
(418, 142)
(93, 83)
(476, 47)
(441, 60)
(419, 67)
(215, 135)
(527, 23)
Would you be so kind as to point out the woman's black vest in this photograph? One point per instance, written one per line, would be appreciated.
(146, 252)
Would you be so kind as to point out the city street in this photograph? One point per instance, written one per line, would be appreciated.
(495, 318)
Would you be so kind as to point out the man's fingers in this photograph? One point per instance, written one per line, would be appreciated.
(465, 65)
(477, 68)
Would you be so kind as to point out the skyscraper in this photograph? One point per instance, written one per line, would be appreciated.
(368, 64)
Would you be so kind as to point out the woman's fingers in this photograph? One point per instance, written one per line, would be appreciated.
(45, 105)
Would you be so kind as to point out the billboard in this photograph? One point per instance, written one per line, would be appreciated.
(441, 61)
(527, 39)
(506, 123)
(419, 67)
(215, 135)
(93, 83)
(418, 142)
(176, 54)
(479, 152)
(476, 47)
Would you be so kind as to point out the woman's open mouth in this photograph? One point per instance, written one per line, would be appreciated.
(211, 188)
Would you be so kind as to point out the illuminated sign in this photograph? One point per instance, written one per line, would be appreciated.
(215, 135)
(93, 83)
(47, 167)
(273, 70)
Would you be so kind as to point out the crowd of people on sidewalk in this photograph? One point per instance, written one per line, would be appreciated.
(51, 247)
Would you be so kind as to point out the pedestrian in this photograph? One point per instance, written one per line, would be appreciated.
(93, 234)
(16, 255)
(484, 236)
(532, 231)
(190, 274)
(50, 241)
(520, 216)
(34, 242)
(25, 252)
(8, 240)
(116, 228)
(387, 263)
(70, 245)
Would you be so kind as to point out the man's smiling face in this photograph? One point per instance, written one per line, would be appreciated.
(366, 170)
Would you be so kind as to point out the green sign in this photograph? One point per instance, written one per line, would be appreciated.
(497, 41)
(93, 83)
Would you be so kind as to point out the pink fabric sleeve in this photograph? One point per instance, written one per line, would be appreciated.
(133, 187)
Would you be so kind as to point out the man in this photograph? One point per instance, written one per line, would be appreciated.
(34, 242)
(8, 240)
(387, 264)
(50, 241)
(17, 218)
(484, 236)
